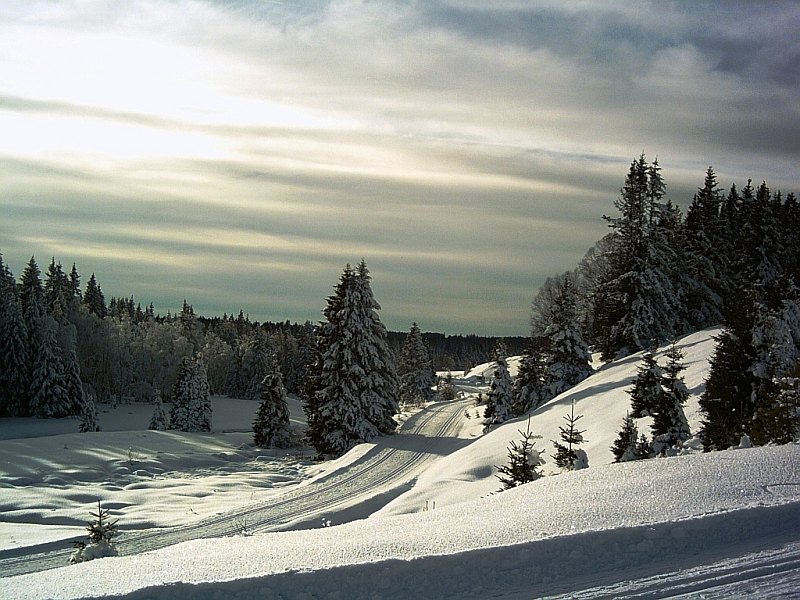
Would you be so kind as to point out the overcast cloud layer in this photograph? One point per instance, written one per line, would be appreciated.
(238, 154)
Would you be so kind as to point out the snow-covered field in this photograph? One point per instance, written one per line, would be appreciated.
(714, 525)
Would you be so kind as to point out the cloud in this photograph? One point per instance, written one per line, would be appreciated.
(239, 153)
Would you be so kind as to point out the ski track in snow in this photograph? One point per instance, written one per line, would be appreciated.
(350, 492)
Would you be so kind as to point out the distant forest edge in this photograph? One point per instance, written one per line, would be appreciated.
(54, 329)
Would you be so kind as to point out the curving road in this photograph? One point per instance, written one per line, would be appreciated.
(354, 491)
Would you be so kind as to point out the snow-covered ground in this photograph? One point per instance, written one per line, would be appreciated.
(714, 525)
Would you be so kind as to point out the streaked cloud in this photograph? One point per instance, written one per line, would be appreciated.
(239, 153)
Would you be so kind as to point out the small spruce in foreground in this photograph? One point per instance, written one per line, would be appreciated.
(101, 531)
(523, 461)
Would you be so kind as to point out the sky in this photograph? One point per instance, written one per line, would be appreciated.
(237, 154)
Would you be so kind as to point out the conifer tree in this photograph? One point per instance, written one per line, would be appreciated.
(381, 384)
(75, 283)
(706, 263)
(625, 447)
(566, 455)
(48, 394)
(159, 421)
(727, 401)
(415, 370)
(102, 531)
(357, 386)
(670, 427)
(637, 300)
(88, 415)
(31, 292)
(73, 383)
(499, 398)
(191, 407)
(568, 359)
(94, 299)
(57, 292)
(14, 355)
(777, 419)
(646, 393)
(529, 391)
(523, 461)
(271, 425)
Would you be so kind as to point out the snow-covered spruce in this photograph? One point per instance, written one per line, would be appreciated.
(271, 425)
(415, 370)
(523, 461)
(646, 391)
(670, 428)
(191, 407)
(88, 414)
(570, 457)
(48, 394)
(499, 398)
(628, 446)
(160, 420)
(568, 359)
(14, 355)
(357, 385)
(101, 531)
(529, 390)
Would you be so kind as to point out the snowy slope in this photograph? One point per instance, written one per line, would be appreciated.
(603, 401)
(560, 533)
(721, 525)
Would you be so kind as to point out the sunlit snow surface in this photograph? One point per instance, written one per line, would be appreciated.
(714, 525)
(558, 534)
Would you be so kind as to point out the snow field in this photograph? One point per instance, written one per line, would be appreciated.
(717, 525)
(533, 539)
(146, 478)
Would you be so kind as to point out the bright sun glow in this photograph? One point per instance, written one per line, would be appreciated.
(110, 86)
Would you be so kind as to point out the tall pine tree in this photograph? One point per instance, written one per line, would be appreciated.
(356, 393)
(568, 359)
(14, 354)
(191, 407)
(271, 425)
(415, 370)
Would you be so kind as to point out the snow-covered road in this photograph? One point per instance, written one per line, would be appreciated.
(351, 492)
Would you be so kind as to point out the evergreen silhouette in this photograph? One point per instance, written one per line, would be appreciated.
(415, 370)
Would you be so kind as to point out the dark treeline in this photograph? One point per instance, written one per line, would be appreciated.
(460, 352)
(59, 339)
